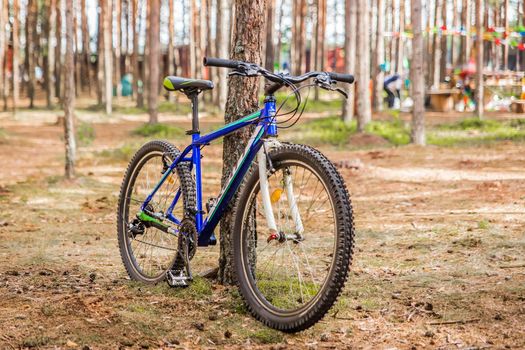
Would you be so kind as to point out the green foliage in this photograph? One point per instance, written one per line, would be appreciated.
(85, 134)
(123, 153)
(472, 124)
(35, 341)
(473, 131)
(159, 131)
(395, 131)
(3, 135)
(331, 130)
(267, 336)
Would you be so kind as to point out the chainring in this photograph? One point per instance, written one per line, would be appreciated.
(187, 230)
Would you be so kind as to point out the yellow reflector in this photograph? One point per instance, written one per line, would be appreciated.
(276, 195)
(170, 180)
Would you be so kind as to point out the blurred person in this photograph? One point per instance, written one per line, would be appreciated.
(392, 86)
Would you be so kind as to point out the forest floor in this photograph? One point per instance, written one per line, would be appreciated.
(439, 259)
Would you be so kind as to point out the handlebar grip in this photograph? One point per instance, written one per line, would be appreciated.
(220, 62)
(344, 78)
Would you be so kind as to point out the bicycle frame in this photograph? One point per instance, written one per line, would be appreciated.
(265, 121)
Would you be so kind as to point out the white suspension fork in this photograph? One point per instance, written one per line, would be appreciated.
(296, 216)
(265, 194)
(265, 191)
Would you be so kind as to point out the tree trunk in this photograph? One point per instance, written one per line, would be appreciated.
(69, 97)
(444, 41)
(455, 23)
(364, 114)
(100, 56)
(299, 41)
(269, 56)
(465, 43)
(50, 62)
(78, 74)
(506, 36)
(436, 48)
(223, 39)
(247, 39)
(171, 48)
(32, 12)
(379, 58)
(479, 59)
(153, 59)
(417, 75)
(86, 50)
(350, 57)
(400, 47)
(58, 52)
(3, 45)
(16, 68)
(108, 57)
(320, 40)
(118, 46)
(523, 38)
(279, 45)
(137, 72)
(193, 38)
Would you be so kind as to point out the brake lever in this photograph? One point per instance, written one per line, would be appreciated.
(342, 92)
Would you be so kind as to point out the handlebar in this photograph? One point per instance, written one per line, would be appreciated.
(220, 62)
(279, 80)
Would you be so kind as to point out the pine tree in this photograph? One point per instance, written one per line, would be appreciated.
(69, 96)
(247, 42)
(153, 60)
(417, 75)
(364, 113)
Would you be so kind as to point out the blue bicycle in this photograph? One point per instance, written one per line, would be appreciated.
(293, 228)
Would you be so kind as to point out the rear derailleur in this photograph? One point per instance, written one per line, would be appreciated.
(180, 273)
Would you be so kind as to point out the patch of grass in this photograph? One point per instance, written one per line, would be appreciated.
(472, 124)
(331, 130)
(3, 135)
(472, 131)
(159, 131)
(35, 341)
(85, 134)
(395, 131)
(267, 336)
(123, 153)
(483, 224)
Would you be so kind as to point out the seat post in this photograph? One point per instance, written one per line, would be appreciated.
(194, 97)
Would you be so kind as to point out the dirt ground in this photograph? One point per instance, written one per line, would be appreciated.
(439, 260)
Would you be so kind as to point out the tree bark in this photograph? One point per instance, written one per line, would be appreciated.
(118, 48)
(171, 48)
(193, 38)
(444, 42)
(153, 59)
(417, 75)
(100, 56)
(379, 58)
(455, 23)
(58, 52)
(69, 97)
(465, 42)
(86, 50)
(223, 39)
(350, 57)
(364, 114)
(400, 47)
(320, 31)
(436, 48)
(269, 55)
(3, 45)
(138, 80)
(16, 68)
(31, 42)
(78, 74)
(108, 57)
(247, 40)
(506, 25)
(479, 59)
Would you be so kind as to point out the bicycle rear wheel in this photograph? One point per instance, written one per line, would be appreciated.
(147, 252)
(290, 279)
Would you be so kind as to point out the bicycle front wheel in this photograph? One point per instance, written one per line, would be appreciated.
(290, 278)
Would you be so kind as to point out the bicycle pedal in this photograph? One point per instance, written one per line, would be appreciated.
(177, 279)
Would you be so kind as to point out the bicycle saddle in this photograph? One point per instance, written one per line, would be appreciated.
(173, 83)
